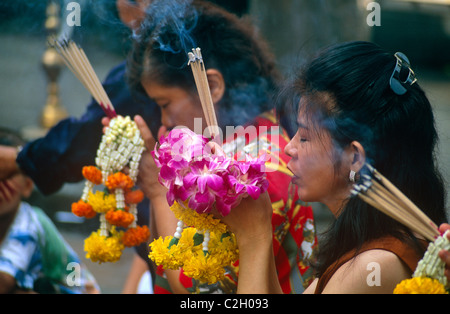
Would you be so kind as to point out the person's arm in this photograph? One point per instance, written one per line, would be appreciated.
(166, 221)
(59, 157)
(251, 222)
(137, 269)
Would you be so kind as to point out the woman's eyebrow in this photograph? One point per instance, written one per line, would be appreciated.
(301, 125)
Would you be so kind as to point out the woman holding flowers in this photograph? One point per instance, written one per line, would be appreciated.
(358, 105)
(242, 76)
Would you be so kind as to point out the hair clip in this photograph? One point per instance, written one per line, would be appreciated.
(403, 74)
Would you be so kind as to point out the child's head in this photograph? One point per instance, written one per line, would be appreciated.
(19, 185)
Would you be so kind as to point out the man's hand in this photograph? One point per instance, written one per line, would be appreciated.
(8, 165)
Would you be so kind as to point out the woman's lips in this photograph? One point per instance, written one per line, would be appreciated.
(295, 178)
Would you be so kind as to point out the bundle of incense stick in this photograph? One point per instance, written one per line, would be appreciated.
(201, 81)
(380, 193)
(77, 61)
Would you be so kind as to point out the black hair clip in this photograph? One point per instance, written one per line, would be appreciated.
(402, 75)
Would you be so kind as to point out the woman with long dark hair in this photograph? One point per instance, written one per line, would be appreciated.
(242, 77)
(358, 105)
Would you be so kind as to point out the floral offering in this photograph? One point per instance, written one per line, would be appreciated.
(116, 201)
(202, 253)
(429, 277)
(200, 177)
(194, 174)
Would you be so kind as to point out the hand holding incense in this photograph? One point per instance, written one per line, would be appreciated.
(77, 61)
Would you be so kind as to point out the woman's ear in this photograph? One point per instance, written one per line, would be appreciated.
(216, 84)
(28, 187)
(357, 156)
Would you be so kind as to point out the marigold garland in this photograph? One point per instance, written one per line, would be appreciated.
(116, 203)
(83, 209)
(199, 181)
(92, 174)
(429, 276)
(119, 180)
(102, 248)
(201, 258)
(420, 285)
(134, 197)
(119, 218)
(102, 202)
(200, 221)
(135, 236)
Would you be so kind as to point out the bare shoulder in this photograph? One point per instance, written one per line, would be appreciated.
(371, 272)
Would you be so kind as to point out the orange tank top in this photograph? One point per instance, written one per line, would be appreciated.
(405, 252)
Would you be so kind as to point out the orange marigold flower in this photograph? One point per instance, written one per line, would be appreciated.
(83, 209)
(93, 174)
(135, 236)
(119, 180)
(134, 197)
(119, 218)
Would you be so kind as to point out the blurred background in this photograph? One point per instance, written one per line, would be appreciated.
(36, 92)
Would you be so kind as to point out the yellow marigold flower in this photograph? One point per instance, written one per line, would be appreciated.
(224, 247)
(103, 249)
(101, 202)
(162, 255)
(204, 268)
(420, 285)
(173, 257)
(200, 221)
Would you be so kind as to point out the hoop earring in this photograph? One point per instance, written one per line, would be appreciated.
(352, 176)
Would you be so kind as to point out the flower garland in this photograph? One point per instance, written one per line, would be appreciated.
(199, 180)
(206, 180)
(429, 277)
(116, 204)
(203, 255)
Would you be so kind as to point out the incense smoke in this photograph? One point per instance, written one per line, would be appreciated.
(232, 46)
(175, 17)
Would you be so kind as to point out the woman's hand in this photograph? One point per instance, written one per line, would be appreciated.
(148, 171)
(251, 222)
(445, 255)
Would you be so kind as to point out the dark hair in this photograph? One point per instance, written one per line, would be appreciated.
(10, 138)
(229, 44)
(398, 134)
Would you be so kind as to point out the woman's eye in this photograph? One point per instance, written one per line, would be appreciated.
(303, 138)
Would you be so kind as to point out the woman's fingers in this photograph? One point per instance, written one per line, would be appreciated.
(7, 191)
(105, 123)
(146, 134)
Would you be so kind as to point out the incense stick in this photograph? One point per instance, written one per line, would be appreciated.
(379, 192)
(78, 63)
(201, 81)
